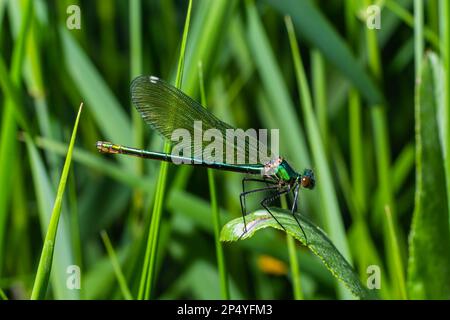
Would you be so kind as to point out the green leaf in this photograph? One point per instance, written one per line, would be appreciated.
(317, 241)
(429, 260)
(311, 23)
(45, 195)
(46, 260)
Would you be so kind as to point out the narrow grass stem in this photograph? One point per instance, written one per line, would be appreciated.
(45, 262)
(397, 259)
(223, 275)
(293, 260)
(382, 150)
(418, 36)
(320, 94)
(136, 70)
(333, 220)
(3, 295)
(409, 20)
(148, 274)
(116, 266)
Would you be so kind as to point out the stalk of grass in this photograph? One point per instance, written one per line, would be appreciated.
(8, 141)
(358, 235)
(74, 223)
(105, 109)
(148, 272)
(137, 123)
(136, 69)
(45, 196)
(45, 262)
(418, 36)
(293, 261)
(283, 110)
(409, 20)
(20, 230)
(295, 268)
(211, 19)
(223, 275)
(34, 81)
(433, 16)
(397, 259)
(333, 221)
(359, 179)
(382, 152)
(13, 100)
(319, 92)
(2, 11)
(357, 196)
(444, 27)
(116, 266)
(355, 121)
(3, 295)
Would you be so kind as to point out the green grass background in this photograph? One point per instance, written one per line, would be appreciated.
(368, 110)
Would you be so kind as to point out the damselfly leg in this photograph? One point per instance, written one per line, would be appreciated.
(242, 200)
(266, 201)
(294, 209)
(268, 183)
(271, 185)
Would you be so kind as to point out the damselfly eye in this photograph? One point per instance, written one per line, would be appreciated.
(308, 181)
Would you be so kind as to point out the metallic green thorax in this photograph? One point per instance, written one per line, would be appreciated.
(285, 172)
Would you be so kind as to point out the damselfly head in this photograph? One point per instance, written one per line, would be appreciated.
(308, 180)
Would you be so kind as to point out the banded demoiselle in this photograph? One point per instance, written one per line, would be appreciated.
(166, 108)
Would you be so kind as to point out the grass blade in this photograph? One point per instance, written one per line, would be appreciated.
(295, 269)
(12, 112)
(105, 109)
(282, 108)
(207, 31)
(224, 288)
(397, 259)
(149, 269)
(312, 24)
(293, 261)
(408, 19)
(45, 262)
(45, 195)
(332, 214)
(116, 266)
(136, 69)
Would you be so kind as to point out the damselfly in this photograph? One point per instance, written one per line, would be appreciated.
(166, 108)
